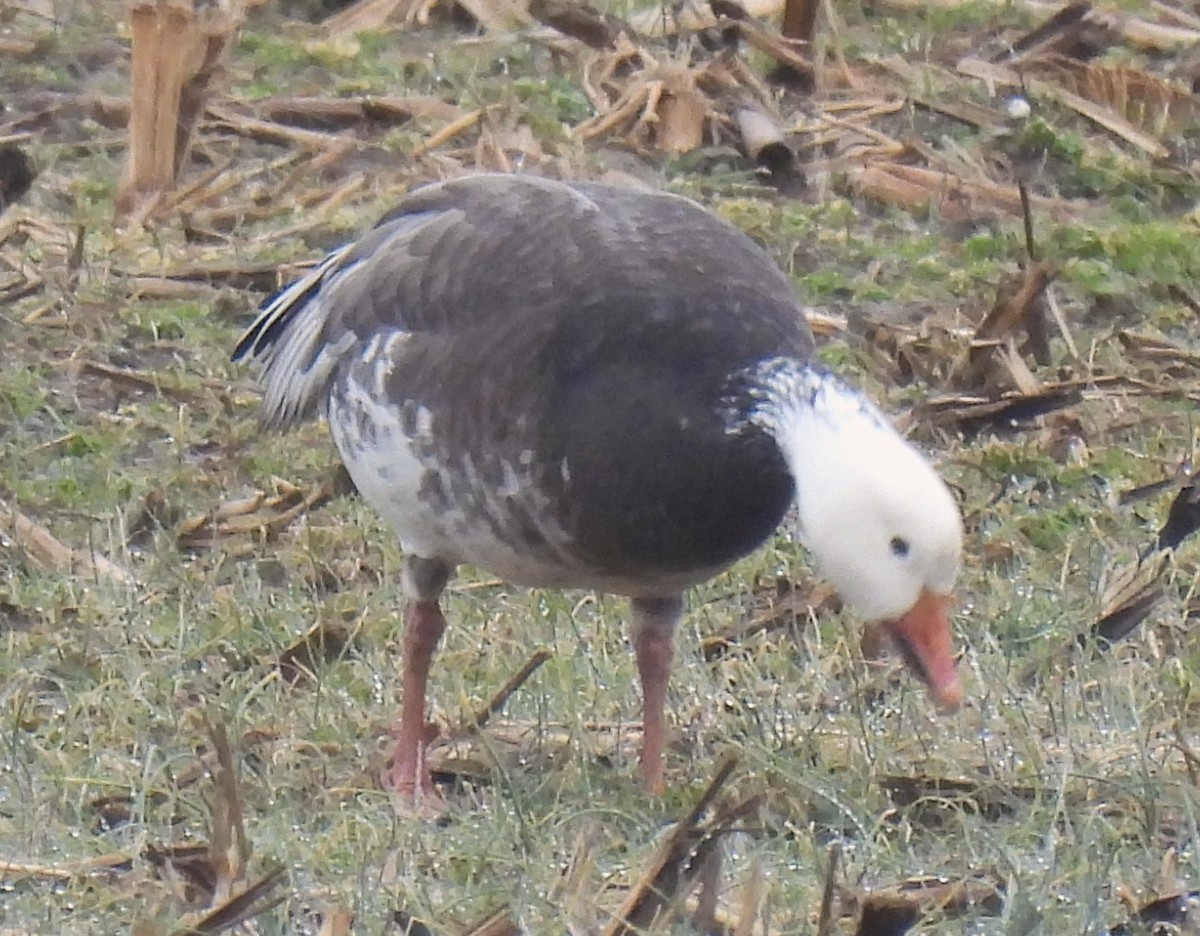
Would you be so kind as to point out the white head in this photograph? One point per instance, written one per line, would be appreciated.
(879, 521)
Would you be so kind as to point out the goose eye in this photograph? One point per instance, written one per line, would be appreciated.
(899, 547)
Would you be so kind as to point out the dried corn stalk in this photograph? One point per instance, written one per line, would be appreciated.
(1147, 101)
(178, 48)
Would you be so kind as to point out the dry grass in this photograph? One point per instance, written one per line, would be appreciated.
(126, 436)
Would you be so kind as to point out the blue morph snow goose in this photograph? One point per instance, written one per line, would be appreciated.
(576, 385)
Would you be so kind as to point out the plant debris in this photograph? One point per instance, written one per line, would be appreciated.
(789, 606)
(177, 51)
(212, 879)
(19, 531)
(260, 515)
(1171, 913)
(688, 856)
(898, 165)
(324, 643)
(16, 174)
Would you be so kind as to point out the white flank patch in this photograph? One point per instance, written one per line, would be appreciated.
(389, 468)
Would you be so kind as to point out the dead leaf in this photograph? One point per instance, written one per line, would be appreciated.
(324, 643)
(580, 21)
(1172, 913)
(1071, 31)
(972, 414)
(825, 917)
(409, 925)
(790, 605)
(681, 113)
(16, 174)
(1132, 596)
(897, 909)
(887, 916)
(1012, 312)
(252, 900)
(930, 800)
(67, 871)
(1159, 350)
(40, 545)
(259, 515)
(1183, 518)
(1145, 100)
(337, 921)
(498, 923)
(229, 849)
(212, 878)
(1099, 113)
(364, 15)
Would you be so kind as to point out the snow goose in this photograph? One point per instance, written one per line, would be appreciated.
(576, 385)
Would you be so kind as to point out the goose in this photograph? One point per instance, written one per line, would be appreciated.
(581, 385)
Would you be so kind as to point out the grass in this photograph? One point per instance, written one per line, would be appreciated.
(104, 690)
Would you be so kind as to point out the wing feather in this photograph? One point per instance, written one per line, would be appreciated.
(303, 334)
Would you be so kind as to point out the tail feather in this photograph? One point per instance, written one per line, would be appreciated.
(283, 307)
(288, 339)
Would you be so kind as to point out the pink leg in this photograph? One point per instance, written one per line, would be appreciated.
(654, 621)
(423, 627)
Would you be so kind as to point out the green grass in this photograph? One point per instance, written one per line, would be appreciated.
(104, 690)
